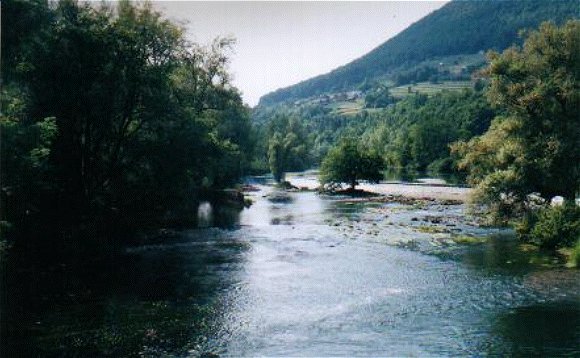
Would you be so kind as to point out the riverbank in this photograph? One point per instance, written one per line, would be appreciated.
(421, 190)
(452, 227)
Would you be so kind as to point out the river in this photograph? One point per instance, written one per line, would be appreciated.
(308, 276)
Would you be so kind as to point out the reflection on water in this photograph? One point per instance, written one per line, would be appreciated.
(301, 277)
(502, 253)
(216, 215)
(543, 330)
(155, 299)
(204, 215)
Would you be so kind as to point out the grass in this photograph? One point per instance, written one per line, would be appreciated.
(469, 240)
(572, 255)
(429, 88)
(352, 108)
(431, 229)
(576, 254)
(348, 108)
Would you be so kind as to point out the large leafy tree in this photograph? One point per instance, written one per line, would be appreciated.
(348, 162)
(110, 113)
(534, 146)
(104, 77)
(287, 146)
(276, 156)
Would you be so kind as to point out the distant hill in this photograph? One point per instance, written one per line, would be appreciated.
(460, 27)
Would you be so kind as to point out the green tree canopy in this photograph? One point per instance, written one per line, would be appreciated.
(348, 162)
(534, 147)
(287, 146)
(380, 97)
(110, 115)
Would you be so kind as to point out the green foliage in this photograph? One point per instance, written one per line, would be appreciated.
(551, 227)
(460, 27)
(430, 89)
(316, 126)
(46, 132)
(26, 149)
(414, 133)
(276, 154)
(110, 115)
(533, 147)
(348, 162)
(575, 259)
(423, 74)
(287, 146)
(379, 98)
(441, 165)
(23, 20)
(417, 131)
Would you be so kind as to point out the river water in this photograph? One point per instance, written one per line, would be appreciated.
(307, 276)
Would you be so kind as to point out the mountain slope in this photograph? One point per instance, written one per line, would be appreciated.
(460, 27)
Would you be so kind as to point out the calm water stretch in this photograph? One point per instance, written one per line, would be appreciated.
(308, 275)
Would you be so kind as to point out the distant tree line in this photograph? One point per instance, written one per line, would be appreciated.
(432, 74)
(415, 134)
(412, 134)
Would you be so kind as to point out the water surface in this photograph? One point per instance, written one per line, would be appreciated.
(314, 276)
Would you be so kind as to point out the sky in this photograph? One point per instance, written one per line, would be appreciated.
(279, 44)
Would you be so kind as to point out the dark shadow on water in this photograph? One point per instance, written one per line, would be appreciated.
(503, 253)
(549, 330)
(215, 215)
(149, 301)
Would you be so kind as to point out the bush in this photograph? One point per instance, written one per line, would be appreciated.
(552, 227)
(575, 259)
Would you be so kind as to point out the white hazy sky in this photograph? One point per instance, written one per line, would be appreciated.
(283, 43)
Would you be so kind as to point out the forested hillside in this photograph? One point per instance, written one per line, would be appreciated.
(413, 134)
(460, 27)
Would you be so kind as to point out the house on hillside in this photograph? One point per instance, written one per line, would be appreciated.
(353, 95)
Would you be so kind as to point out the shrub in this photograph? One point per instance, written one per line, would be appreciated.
(552, 227)
(575, 259)
(526, 223)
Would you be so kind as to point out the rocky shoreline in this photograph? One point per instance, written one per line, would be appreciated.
(396, 191)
